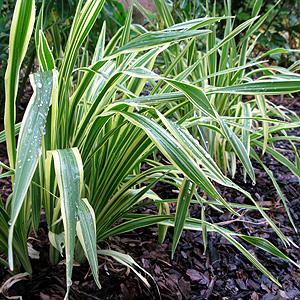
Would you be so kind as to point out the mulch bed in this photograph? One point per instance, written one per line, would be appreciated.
(222, 273)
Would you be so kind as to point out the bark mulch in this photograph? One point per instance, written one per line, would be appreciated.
(222, 273)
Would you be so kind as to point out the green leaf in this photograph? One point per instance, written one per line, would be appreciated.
(29, 146)
(279, 157)
(256, 8)
(155, 39)
(64, 8)
(269, 172)
(126, 260)
(163, 10)
(195, 224)
(86, 232)
(183, 203)
(84, 19)
(36, 201)
(44, 54)
(267, 246)
(21, 29)
(57, 240)
(196, 23)
(39, 24)
(172, 149)
(260, 87)
(195, 95)
(69, 176)
(238, 147)
(278, 51)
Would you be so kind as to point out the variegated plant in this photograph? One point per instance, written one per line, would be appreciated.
(87, 131)
(226, 72)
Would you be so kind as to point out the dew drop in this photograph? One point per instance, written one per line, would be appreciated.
(43, 131)
(20, 167)
(9, 222)
(39, 85)
(69, 282)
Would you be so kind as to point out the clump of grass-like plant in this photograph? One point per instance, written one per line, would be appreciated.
(86, 132)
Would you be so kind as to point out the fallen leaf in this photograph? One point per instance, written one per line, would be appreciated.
(10, 282)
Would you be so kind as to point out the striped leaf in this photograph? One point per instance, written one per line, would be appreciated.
(84, 19)
(197, 23)
(155, 39)
(21, 29)
(183, 203)
(270, 173)
(164, 11)
(173, 150)
(69, 176)
(261, 87)
(44, 54)
(57, 240)
(267, 246)
(195, 224)
(29, 145)
(86, 232)
(127, 261)
(195, 95)
(238, 147)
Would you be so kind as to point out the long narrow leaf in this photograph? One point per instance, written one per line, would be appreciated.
(86, 231)
(21, 29)
(261, 87)
(29, 147)
(183, 203)
(155, 39)
(69, 175)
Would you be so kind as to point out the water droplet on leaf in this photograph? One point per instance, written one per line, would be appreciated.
(69, 282)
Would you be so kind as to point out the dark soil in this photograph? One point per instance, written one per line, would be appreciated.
(222, 273)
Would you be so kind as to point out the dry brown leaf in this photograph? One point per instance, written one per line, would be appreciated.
(10, 282)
